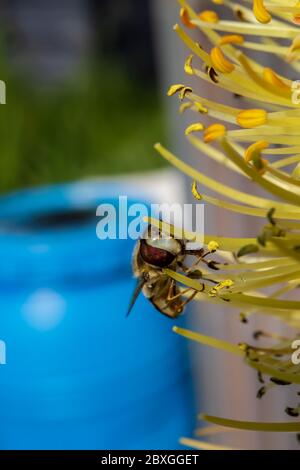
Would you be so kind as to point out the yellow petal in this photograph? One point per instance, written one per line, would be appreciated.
(197, 127)
(199, 107)
(296, 18)
(295, 46)
(214, 132)
(195, 192)
(260, 164)
(175, 89)
(231, 39)
(185, 18)
(209, 16)
(188, 65)
(184, 106)
(271, 77)
(252, 118)
(181, 89)
(253, 150)
(260, 12)
(219, 61)
(184, 91)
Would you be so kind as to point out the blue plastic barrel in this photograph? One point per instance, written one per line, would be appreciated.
(79, 374)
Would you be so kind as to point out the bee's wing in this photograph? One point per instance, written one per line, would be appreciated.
(139, 286)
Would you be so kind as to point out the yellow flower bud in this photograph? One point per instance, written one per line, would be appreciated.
(214, 132)
(271, 77)
(195, 192)
(185, 18)
(252, 118)
(254, 150)
(260, 12)
(175, 89)
(209, 16)
(181, 89)
(194, 128)
(188, 65)
(296, 18)
(231, 39)
(219, 61)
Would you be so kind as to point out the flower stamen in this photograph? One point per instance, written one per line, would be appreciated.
(213, 132)
(252, 118)
(260, 12)
(219, 61)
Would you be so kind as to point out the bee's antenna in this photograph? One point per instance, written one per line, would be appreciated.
(136, 293)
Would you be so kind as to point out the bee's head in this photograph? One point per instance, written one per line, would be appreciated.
(159, 250)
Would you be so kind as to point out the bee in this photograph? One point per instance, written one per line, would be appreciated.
(152, 254)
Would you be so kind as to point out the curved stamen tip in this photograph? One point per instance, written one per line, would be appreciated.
(197, 127)
(260, 12)
(185, 18)
(219, 61)
(255, 149)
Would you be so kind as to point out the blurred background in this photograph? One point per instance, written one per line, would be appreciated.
(86, 83)
(82, 90)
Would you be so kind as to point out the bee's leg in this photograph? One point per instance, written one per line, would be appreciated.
(201, 255)
(171, 290)
(188, 269)
(173, 293)
(170, 297)
(183, 304)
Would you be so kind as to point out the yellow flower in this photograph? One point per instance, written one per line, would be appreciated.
(256, 140)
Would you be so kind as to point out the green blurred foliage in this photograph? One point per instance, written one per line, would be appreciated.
(101, 124)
